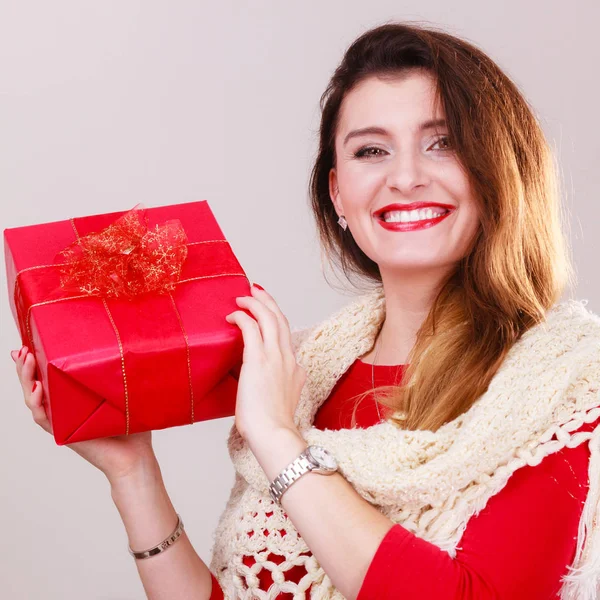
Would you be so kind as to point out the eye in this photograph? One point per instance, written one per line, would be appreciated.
(445, 141)
(367, 151)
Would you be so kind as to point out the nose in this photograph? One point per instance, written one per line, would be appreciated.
(407, 172)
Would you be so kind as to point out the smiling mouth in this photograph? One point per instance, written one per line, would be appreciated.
(423, 219)
(413, 216)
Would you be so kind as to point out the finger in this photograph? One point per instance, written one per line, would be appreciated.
(285, 335)
(18, 358)
(26, 368)
(21, 355)
(253, 343)
(267, 322)
(36, 404)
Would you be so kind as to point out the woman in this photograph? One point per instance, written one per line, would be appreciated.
(477, 473)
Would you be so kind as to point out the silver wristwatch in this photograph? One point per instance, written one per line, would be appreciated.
(314, 458)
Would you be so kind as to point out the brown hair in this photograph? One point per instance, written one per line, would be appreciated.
(518, 265)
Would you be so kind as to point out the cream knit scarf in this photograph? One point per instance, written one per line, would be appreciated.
(431, 483)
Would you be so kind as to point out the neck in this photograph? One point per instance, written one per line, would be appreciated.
(408, 299)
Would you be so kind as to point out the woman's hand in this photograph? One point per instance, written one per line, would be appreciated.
(117, 457)
(270, 380)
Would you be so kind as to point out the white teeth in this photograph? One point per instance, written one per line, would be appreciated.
(406, 216)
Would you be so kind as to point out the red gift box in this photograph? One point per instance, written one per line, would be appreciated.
(113, 365)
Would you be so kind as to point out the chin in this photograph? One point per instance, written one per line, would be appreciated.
(411, 264)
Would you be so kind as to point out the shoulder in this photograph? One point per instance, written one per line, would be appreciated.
(568, 337)
(574, 315)
(299, 335)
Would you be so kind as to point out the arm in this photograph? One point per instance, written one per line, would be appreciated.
(149, 517)
(513, 549)
(342, 530)
(139, 494)
(517, 547)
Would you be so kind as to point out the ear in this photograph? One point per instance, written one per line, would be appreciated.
(334, 192)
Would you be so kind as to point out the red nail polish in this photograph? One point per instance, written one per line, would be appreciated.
(34, 386)
(20, 351)
(259, 286)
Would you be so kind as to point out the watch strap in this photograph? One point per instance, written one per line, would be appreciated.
(298, 467)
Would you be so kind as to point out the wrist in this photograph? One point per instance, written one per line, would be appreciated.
(276, 449)
(145, 475)
(142, 501)
(268, 439)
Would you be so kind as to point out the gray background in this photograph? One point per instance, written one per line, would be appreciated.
(106, 104)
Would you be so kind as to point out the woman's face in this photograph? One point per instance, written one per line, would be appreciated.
(405, 161)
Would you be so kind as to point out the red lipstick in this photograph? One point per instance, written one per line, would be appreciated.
(412, 225)
(411, 206)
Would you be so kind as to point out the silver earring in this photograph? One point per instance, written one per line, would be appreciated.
(343, 223)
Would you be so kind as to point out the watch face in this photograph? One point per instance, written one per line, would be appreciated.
(323, 457)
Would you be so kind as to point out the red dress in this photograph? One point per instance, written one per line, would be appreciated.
(517, 547)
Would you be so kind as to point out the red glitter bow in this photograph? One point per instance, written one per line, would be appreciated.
(126, 259)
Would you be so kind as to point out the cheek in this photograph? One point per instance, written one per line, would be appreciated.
(460, 189)
(357, 184)
(467, 225)
(467, 222)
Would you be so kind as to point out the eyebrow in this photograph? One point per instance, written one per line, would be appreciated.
(431, 124)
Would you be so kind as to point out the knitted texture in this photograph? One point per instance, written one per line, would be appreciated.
(431, 483)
